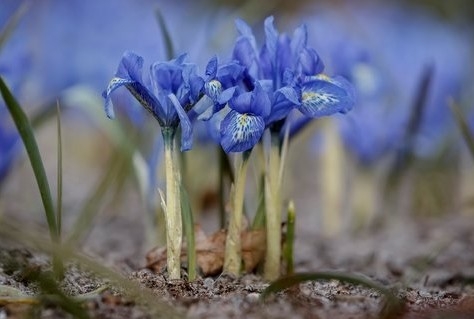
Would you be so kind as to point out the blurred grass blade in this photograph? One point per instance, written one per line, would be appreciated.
(290, 239)
(392, 305)
(59, 200)
(12, 23)
(116, 164)
(188, 226)
(165, 32)
(26, 132)
(463, 126)
(131, 289)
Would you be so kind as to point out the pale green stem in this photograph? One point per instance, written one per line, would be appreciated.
(273, 207)
(174, 227)
(233, 245)
(332, 180)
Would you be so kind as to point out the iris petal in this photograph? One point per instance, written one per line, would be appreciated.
(211, 68)
(241, 102)
(323, 97)
(271, 35)
(186, 127)
(240, 132)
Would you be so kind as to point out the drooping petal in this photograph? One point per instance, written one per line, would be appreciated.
(128, 72)
(240, 132)
(141, 94)
(185, 123)
(324, 97)
(114, 84)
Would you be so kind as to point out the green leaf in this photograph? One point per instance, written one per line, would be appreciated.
(463, 126)
(12, 23)
(166, 35)
(392, 305)
(26, 133)
(59, 201)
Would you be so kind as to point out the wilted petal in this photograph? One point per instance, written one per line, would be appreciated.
(240, 132)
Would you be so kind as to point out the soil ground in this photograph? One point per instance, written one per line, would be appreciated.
(429, 264)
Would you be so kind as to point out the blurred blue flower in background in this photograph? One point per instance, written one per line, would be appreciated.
(384, 51)
(289, 73)
(9, 142)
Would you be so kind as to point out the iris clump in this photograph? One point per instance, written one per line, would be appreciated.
(251, 94)
(169, 91)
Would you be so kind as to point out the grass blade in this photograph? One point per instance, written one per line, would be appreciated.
(26, 133)
(59, 203)
(463, 126)
(392, 305)
(166, 35)
(12, 23)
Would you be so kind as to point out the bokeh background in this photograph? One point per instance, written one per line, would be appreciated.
(397, 156)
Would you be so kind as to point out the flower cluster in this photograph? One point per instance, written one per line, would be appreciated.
(255, 91)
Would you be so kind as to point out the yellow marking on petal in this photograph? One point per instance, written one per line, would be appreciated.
(323, 77)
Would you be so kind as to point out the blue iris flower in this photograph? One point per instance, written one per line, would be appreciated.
(171, 89)
(290, 71)
(220, 84)
(243, 126)
(221, 81)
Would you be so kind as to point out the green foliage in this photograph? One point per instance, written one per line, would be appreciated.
(463, 126)
(26, 132)
(392, 305)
